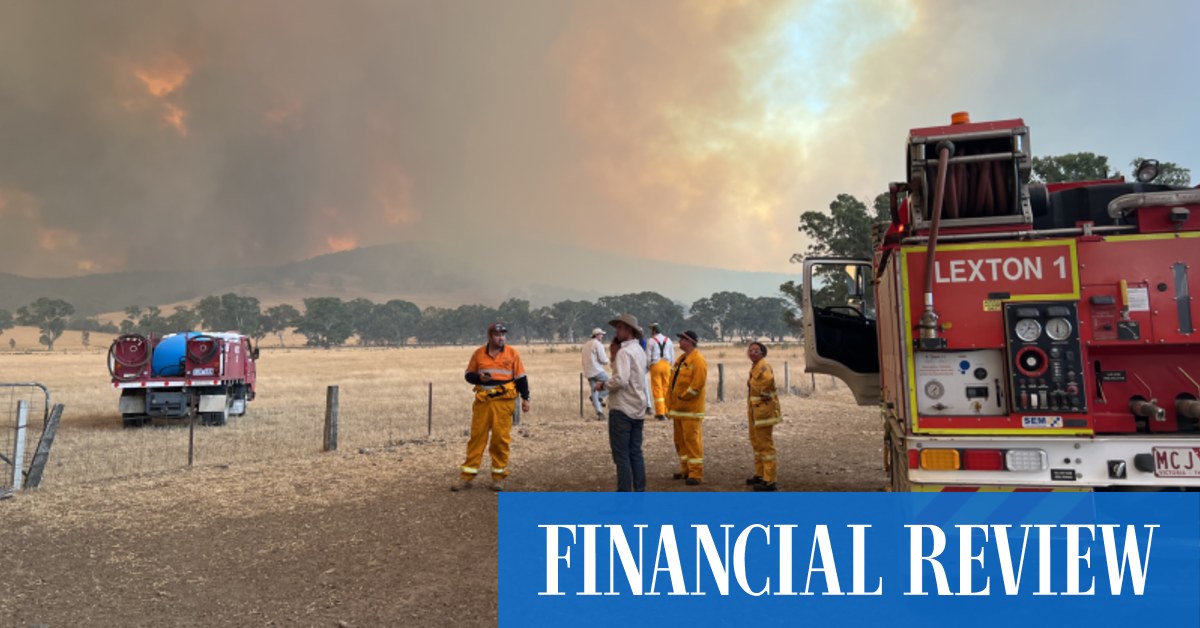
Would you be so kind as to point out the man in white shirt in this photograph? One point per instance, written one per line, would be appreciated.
(595, 358)
(661, 357)
(626, 404)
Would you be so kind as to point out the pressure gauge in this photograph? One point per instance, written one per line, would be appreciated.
(1058, 328)
(934, 389)
(1029, 329)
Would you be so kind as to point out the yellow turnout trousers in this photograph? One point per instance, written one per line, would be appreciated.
(660, 376)
(689, 444)
(762, 440)
(494, 414)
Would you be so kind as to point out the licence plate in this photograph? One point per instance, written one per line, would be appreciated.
(1176, 462)
(205, 371)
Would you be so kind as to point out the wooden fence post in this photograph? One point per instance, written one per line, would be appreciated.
(581, 395)
(720, 382)
(330, 441)
(429, 428)
(787, 379)
(191, 440)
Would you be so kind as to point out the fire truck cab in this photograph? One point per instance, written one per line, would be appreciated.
(1019, 336)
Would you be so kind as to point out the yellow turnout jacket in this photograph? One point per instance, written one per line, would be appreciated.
(688, 376)
(762, 398)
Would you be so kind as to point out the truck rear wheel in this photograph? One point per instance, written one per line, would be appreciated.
(215, 418)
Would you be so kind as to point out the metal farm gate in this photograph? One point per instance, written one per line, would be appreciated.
(27, 427)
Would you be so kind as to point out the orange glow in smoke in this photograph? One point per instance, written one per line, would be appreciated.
(165, 76)
(87, 265)
(338, 243)
(54, 238)
(162, 80)
(174, 117)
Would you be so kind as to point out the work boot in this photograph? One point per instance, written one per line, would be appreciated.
(498, 485)
(660, 417)
(754, 481)
(599, 416)
(679, 476)
(765, 487)
(692, 482)
(461, 485)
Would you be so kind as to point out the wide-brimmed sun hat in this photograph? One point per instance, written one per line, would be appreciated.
(628, 319)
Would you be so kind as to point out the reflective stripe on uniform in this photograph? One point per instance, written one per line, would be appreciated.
(761, 397)
(470, 470)
(767, 421)
(500, 470)
(686, 415)
(691, 392)
(506, 372)
(695, 460)
(660, 399)
(767, 458)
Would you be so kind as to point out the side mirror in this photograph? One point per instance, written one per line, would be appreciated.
(254, 353)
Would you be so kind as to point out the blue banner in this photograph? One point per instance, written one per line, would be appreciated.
(985, 559)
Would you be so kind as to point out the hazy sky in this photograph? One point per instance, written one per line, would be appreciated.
(140, 135)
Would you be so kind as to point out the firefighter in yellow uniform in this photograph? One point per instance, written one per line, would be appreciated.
(685, 406)
(499, 378)
(763, 409)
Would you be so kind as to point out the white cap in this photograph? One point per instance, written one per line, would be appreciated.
(597, 332)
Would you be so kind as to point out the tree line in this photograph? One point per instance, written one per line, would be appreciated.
(330, 321)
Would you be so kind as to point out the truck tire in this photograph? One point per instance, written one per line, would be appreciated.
(214, 418)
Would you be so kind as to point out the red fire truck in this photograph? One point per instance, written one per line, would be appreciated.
(1019, 336)
(178, 376)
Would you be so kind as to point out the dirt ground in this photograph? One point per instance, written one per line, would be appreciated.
(361, 537)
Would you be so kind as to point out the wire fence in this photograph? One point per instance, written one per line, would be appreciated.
(374, 412)
(26, 406)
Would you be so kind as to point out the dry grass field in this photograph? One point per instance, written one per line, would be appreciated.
(265, 530)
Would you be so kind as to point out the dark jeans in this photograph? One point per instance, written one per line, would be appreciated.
(625, 438)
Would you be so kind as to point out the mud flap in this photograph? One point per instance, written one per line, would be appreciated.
(132, 402)
(212, 403)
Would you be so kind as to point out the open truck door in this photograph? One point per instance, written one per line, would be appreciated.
(841, 337)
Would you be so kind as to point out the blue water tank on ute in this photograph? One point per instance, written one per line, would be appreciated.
(169, 355)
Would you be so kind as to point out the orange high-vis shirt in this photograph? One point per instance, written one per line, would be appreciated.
(505, 367)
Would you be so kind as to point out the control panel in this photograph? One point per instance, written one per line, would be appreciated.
(960, 383)
(1045, 362)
